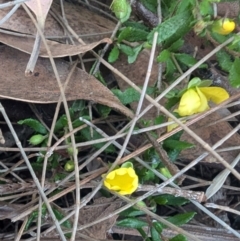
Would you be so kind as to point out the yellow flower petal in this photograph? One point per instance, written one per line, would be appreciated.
(123, 180)
(189, 103)
(228, 26)
(223, 26)
(203, 102)
(215, 94)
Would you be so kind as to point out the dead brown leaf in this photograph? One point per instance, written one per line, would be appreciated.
(102, 207)
(83, 21)
(211, 134)
(42, 87)
(58, 50)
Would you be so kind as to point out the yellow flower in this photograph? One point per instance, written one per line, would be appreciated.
(195, 100)
(223, 26)
(122, 180)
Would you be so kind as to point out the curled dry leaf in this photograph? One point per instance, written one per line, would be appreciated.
(58, 50)
(41, 87)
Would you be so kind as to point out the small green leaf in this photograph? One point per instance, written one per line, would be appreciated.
(127, 164)
(150, 5)
(158, 226)
(186, 59)
(103, 110)
(154, 234)
(136, 25)
(143, 234)
(35, 125)
(234, 73)
(171, 200)
(59, 216)
(172, 102)
(205, 7)
(177, 145)
(170, 70)
(131, 212)
(132, 223)
(130, 95)
(176, 45)
(179, 237)
(136, 50)
(114, 54)
(61, 123)
(126, 49)
(224, 60)
(164, 56)
(160, 200)
(132, 35)
(173, 154)
(120, 8)
(181, 219)
(194, 82)
(205, 83)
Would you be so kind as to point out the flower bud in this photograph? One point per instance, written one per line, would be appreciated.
(37, 139)
(69, 166)
(223, 26)
(70, 150)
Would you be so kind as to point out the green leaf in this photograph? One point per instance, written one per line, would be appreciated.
(170, 200)
(177, 145)
(126, 49)
(205, 7)
(181, 219)
(121, 9)
(131, 212)
(194, 82)
(150, 5)
(186, 59)
(78, 105)
(171, 102)
(103, 110)
(205, 83)
(136, 25)
(132, 223)
(126, 17)
(127, 164)
(158, 226)
(67, 224)
(170, 70)
(130, 95)
(179, 237)
(176, 45)
(234, 73)
(61, 123)
(173, 154)
(114, 54)
(136, 50)
(154, 234)
(168, 28)
(164, 56)
(224, 60)
(35, 125)
(132, 35)
(143, 234)
(160, 200)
